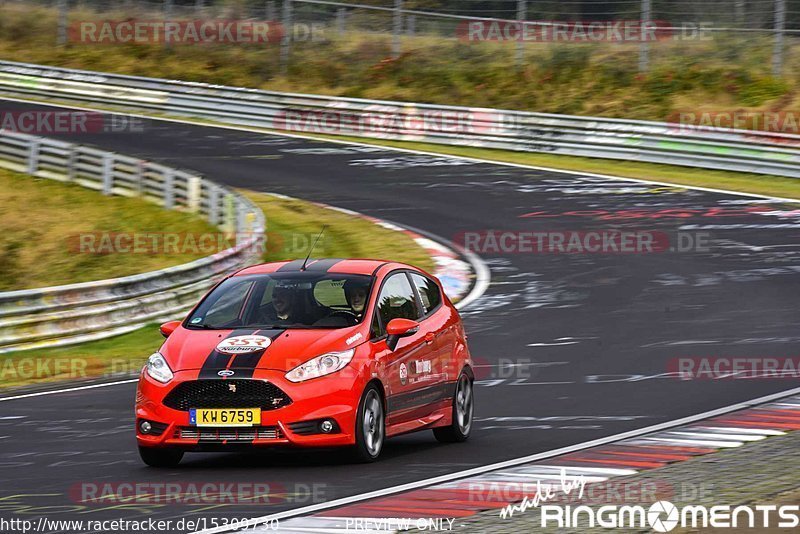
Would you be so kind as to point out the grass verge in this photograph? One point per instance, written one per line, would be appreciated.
(292, 225)
(41, 222)
(118, 356)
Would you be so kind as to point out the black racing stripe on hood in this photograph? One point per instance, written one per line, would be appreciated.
(245, 364)
(217, 361)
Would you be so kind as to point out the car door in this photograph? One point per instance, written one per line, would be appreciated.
(438, 335)
(405, 397)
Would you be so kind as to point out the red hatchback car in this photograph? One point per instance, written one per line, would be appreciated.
(330, 353)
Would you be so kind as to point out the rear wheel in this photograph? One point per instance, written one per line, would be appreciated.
(160, 457)
(461, 426)
(370, 426)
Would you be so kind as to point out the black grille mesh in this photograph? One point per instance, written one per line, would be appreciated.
(226, 394)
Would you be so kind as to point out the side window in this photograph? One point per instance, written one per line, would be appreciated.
(375, 328)
(227, 308)
(428, 292)
(396, 300)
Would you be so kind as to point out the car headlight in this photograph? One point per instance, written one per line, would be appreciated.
(158, 368)
(328, 363)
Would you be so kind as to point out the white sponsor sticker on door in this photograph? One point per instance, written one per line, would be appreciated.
(423, 366)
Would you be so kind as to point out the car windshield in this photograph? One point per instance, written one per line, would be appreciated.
(284, 300)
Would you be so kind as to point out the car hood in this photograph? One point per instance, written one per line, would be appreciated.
(188, 349)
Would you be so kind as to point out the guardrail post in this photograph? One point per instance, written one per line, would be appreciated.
(167, 17)
(140, 171)
(72, 159)
(397, 28)
(240, 217)
(169, 188)
(340, 20)
(108, 173)
(777, 49)
(33, 156)
(738, 9)
(522, 13)
(286, 41)
(411, 25)
(213, 204)
(193, 189)
(63, 13)
(644, 46)
(229, 213)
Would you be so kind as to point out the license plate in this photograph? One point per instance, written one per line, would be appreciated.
(225, 416)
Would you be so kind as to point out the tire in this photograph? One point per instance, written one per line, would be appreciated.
(463, 406)
(370, 426)
(160, 457)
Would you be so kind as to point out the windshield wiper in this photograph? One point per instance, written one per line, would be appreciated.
(202, 326)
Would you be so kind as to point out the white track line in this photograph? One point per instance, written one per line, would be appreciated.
(67, 390)
(305, 510)
(266, 131)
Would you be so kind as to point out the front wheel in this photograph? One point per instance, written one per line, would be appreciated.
(370, 426)
(155, 457)
(461, 426)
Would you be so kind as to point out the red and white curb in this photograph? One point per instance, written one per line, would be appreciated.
(462, 497)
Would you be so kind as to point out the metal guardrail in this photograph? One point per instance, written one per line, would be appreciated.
(75, 313)
(655, 142)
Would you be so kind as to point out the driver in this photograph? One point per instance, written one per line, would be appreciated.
(356, 295)
(282, 308)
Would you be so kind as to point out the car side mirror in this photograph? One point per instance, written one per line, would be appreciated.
(167, 328)
(398, 328)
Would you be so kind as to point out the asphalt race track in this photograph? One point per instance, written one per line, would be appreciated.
(574, 346)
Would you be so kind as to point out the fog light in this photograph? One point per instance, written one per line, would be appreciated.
(326, 426)
(145, 427)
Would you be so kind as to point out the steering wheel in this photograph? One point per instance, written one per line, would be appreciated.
(348, 316)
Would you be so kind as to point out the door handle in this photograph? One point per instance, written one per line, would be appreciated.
(429, 337)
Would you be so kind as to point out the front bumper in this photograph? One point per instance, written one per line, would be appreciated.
(333, 397)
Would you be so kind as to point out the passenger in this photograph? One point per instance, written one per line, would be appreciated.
(356, 295)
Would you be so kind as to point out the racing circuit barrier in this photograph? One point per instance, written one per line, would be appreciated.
(73, 313)
(656, 142)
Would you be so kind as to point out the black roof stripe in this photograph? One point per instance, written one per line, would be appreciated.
(313, 265)
(323, 265)
(291, 266)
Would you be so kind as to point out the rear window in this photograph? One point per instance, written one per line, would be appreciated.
(428, 292)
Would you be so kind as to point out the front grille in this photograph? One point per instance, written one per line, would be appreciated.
(218, 435)
(226, 394)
